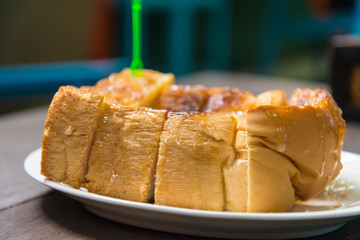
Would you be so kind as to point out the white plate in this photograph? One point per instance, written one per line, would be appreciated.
(327, 212)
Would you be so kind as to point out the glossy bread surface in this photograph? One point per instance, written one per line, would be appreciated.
(205, 148)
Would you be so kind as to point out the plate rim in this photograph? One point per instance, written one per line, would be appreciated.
(35, 157)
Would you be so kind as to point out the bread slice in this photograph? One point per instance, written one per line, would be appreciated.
(124, 153)
(294, 151)
(329, 128)
(235, 102)
(68, 134)
(284, 152)
(128, 90)
(193, 150)
(236, 172)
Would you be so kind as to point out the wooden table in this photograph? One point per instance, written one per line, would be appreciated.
(29, 210)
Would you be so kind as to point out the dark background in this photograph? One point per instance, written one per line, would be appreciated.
(283, 38)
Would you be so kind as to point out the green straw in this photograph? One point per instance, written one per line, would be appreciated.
(136, 62)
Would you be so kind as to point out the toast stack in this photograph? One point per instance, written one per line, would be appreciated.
(220, 149)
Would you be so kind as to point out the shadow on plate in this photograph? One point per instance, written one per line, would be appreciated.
(70, 215)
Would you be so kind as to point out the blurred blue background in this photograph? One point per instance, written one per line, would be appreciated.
(45, 44)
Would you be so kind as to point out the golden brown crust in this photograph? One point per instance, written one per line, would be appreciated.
(228, 100)
(127, 90)
(320, 99)
(183, 98)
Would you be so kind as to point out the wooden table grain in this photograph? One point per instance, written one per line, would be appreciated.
(29, 210)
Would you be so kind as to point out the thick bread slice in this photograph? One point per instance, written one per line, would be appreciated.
(236, 172)
(136, 91)
(294, 152)
(123, 157)
(68, 133)
(331, 132)
(193, 150)
(270, 173)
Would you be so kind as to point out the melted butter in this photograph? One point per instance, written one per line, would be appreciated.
(174, 132)
(322, 127)
(114, 175)
(69, 130)
(106, 119)
(281, 130)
